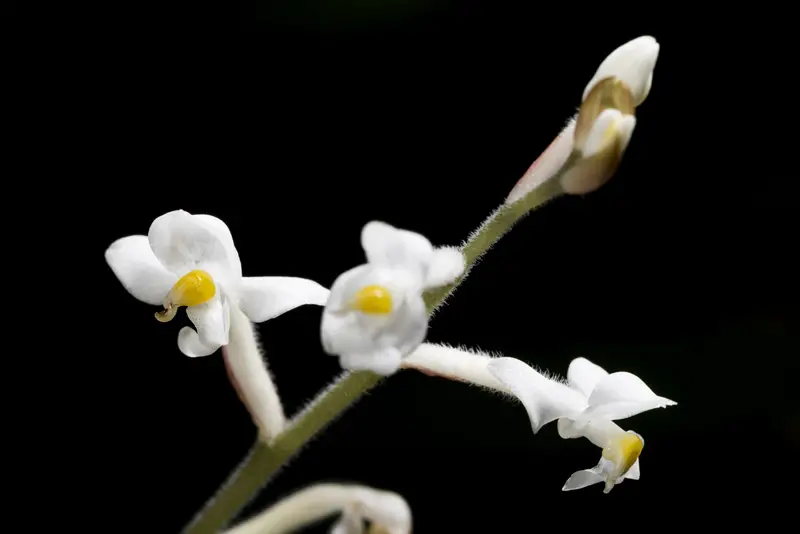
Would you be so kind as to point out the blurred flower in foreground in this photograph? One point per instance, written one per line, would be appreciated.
(593, 143)
(585, 407)
(387, 512)
(376, 315)
(190, 260)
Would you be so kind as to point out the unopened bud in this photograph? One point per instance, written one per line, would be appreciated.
(602, 131)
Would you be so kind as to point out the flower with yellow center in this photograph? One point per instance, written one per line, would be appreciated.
(375, 315)
(190, 261)
(585, 406)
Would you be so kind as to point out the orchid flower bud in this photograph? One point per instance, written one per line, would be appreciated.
(602, 131)
(589, 149)
(606, 117)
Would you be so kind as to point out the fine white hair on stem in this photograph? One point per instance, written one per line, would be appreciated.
(315, 503)
(310, 404)
(460, 364)
(251, 378)
(474, 235)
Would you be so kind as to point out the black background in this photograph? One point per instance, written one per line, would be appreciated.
(298, 122)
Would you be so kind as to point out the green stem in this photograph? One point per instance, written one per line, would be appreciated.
(264, 460)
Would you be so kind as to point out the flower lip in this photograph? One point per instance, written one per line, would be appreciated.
(624, 452)
(192, 289)
(373, 300)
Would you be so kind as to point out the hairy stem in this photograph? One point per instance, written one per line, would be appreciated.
(265, 459)
(461, 365)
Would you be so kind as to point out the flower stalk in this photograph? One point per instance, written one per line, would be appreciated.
(250, 377)
(457, 364)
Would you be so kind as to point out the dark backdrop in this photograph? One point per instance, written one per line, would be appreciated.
(298, 122)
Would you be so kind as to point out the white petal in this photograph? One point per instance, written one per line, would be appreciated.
(600, 432)
(633, 473)
(544, 399)
(447, 264)
(266, 297)
(385, 508)
(212, 320)
(583, 478)
(633, 63)
(190, 344)
(604, 132)
(584, 375)
(567, 429)
(383, 362)
(344, 285)
(183, 242)
(625, 130)
(410, 326)
(341, 333)
(224, 234)
(386, 245)
(546, 165)
(137, 268)
(619, 396)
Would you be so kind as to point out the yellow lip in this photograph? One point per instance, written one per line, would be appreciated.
(194, 288)
(624, 452)
(374, 300)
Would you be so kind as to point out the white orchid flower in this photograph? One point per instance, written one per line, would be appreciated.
(386, 511)
(585, 406)
(190, 260)
(376, 315)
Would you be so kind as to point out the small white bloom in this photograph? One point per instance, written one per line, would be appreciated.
(585, 407)
(376, 315)
(190, 260)
(633, 64)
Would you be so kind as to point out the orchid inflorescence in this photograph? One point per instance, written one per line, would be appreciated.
(375, 318)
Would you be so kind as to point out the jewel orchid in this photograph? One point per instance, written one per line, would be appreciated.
(376, 315)
(190, 260)
(585, 406)
(374, 318)
(386, 511)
